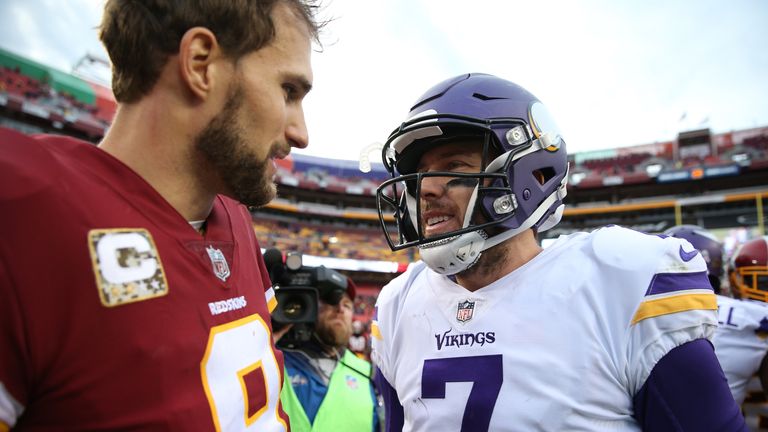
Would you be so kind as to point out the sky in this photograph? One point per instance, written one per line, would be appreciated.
(613, 73)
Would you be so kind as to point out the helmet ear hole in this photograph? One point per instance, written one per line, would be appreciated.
(543, 175)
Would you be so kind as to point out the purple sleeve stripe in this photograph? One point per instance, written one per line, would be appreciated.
(664, 283)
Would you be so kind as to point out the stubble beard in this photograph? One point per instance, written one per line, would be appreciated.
(222, 144)
(336, 337)
(489, 263)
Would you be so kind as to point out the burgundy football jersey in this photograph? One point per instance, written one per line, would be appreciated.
(116, 314)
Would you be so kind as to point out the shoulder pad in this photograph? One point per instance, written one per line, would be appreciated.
(624, 248)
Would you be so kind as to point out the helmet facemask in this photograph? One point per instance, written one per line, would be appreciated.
(490, 198)
(750, 283)
(518, 184)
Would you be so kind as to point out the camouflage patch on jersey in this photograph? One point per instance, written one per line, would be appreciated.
(126, 265)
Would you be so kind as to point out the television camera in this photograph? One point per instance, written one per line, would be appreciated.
(298, 289)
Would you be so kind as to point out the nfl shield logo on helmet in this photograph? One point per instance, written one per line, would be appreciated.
(465, 311)
(219, 263)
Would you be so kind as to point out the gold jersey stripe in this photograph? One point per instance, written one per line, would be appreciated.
(674, 304)
(272, 304)
(375, 330)
(4, 427)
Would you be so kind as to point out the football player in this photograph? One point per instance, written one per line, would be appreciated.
(741, 340)
(133, 294)
(708, 245)
(600, 331)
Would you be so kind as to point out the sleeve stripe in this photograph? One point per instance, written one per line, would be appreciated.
(375, 330)
(664, 283)
(673, 304)
(271, 300)
(10, 409)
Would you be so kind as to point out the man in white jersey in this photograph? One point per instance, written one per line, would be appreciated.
(600, 331)
(741, 338)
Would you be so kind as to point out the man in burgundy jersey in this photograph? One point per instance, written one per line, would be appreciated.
(133, 293)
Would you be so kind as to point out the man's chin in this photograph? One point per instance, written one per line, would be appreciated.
(341, 337)
(253, 198)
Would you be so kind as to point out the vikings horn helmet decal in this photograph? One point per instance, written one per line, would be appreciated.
(707, 244)
(521, 184)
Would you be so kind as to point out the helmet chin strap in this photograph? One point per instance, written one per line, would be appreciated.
(453, 254)
(559, 193)
(552, 220)
(456, 254)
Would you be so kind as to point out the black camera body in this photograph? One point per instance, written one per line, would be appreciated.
(298, 290)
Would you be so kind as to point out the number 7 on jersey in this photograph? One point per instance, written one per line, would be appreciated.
(484, 372)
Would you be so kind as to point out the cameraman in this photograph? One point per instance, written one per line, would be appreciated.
(327, 387)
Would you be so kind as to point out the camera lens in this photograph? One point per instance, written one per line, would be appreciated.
(295, 307)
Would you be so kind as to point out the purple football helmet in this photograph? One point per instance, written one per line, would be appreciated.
(521, 184)
(707, 244)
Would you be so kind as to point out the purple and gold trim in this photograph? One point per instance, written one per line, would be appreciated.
(678, 302)
(666, 283)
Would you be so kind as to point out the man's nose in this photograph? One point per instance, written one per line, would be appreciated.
(432, 187)
(296, 131)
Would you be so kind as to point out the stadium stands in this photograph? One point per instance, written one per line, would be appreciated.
(326, 207)
(53, 100)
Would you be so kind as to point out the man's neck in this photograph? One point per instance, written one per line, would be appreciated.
(500, 261)
(145, 141)
(318, 349)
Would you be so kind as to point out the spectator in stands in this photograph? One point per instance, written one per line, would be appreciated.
(133, 295)
(358, 342)
(329, 388)
(600, 331)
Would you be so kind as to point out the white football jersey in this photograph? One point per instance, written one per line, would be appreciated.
(562, 343)
(740, 341)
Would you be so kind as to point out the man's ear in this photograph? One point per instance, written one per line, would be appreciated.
(198, 54)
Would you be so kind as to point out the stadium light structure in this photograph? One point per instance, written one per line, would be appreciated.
(84, 69)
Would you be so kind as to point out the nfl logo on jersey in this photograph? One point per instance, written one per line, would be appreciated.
(465, 311)
(220, 266)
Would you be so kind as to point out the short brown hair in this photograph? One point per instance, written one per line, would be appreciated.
(140, 35)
